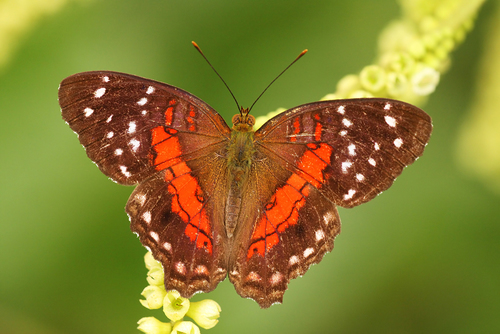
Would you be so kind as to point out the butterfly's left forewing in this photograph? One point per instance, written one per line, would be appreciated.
(140, 131)
(114, 114)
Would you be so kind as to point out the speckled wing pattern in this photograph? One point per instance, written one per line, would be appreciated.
(313, 158)
(171, 144)
(305, 162)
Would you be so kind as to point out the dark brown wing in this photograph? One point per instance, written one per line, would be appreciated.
(113, 115)
(170, 142)
(367, 143)
(309, 159)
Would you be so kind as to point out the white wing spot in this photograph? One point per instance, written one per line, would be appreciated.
(146, 216)
(201, 269)
(398, 142)
(180, 267)
(118, 151)
(110, 134)
(328, 217)
(150, 90)
(349, 194)
(142, 101)
(167, 246)
(319, 235)
(341, 110)
(135, 144)
(276, 278)
(144, 112)
(131, 127)
(253, 276)
(308, 252)
(141, 199)
(99, 92)
(109, 119)
(345, 165)
(154, 235)
(351, 149)
(360, 177)
(343, 133)
(391, 121)
(105, 79)
(376, 146)
(372, 162)
(346, 122)
(88, 112)
(293, 260)
(387, 106)
(125, 171)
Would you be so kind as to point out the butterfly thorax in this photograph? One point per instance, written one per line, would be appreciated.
(240, 152)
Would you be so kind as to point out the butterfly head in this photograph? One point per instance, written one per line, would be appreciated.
(243, 121)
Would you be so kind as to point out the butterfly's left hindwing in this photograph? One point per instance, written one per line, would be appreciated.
(172, 144)
(174, 218)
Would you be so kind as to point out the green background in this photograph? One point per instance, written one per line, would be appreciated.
(421, 258)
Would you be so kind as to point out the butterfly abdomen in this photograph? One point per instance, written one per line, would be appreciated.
(240, 153)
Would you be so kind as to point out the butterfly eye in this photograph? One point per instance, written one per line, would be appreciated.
(236, 119)
(250, 120)
(243, 122)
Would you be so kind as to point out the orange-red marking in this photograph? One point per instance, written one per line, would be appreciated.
(167, 147)
(190, 119)
(313, 162)
(282, 210)
(185, 203)
(192, 127)
(287, 201)
(296, 129)
(168, 115)
(186, 193)
(317, 131)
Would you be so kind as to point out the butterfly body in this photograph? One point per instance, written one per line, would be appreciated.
(239, 161)
(213, 201)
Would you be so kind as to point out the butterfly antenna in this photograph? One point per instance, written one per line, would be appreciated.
(293, 62)
(213, 68)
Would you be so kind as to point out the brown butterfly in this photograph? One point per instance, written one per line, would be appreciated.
(213, 200)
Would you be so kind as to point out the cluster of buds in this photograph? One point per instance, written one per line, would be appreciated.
(205, 313)
(413, 53)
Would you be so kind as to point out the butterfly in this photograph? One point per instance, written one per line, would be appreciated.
(213, 201)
